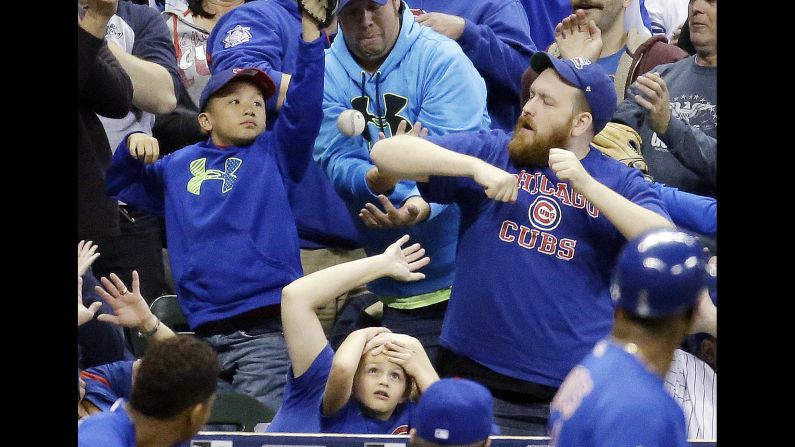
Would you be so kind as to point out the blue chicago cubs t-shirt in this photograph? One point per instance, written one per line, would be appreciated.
(530, 296)
(612, 400)
(350, 419)
(303, 397)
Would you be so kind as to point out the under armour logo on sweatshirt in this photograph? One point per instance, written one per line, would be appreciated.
(393, 105)
(201, 173)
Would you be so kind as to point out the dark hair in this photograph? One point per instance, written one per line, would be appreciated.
(174, 375)
(661, 325)
(684, 41)
(196, 8)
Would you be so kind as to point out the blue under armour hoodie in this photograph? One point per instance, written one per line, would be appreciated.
(264, 34)
(232, 238)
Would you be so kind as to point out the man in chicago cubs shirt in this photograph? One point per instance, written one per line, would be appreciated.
(530, 296)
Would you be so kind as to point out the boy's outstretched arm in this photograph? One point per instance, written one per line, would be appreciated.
(302, 330)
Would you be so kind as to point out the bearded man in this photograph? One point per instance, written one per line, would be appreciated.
(530, 296)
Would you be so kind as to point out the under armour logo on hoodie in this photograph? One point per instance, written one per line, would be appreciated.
(200, 174)
(393, 105)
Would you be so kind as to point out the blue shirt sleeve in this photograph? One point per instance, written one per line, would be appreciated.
(690, 211)
(298, 124)
(136, 183)
(500, 45)
(248, 37)
(635, 188)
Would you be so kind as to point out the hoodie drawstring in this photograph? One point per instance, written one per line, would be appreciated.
(377, 95)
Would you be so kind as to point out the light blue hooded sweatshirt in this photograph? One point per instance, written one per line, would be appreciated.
(427, 78)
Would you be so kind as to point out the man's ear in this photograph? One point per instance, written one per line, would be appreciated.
(198, 415)
(205, 122)
(581, 123)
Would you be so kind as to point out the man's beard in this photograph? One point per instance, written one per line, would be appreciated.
(535, 153)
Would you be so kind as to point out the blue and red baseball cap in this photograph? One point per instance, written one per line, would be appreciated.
(586, 76)
(219, 80)
(344, 3)
(658, 274)
(455, 411)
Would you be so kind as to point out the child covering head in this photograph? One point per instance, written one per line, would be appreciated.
(365, 386)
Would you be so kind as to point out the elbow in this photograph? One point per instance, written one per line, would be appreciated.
(289, 294)
(344, 367)
(166, 104)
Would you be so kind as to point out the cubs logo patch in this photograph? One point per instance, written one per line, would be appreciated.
(237, 35)
(544, 214)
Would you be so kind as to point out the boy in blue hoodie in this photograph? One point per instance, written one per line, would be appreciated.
(231, 233)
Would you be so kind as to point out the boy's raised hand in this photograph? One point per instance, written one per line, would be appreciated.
(403, 263)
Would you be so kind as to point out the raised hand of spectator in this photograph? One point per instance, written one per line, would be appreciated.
(655, 99)
(86, 255)
(575, 36)
(84, 314)
(129, 306)
(404, 262)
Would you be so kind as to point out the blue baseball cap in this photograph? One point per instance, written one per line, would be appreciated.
(712, 283)
(344, 3)
(219, 80)
(586, 76)
(659, 274)
(455, 411)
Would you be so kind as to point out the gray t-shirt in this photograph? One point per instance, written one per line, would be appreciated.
(685, 156)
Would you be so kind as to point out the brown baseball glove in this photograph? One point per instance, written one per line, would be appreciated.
(321, 11)
(622, 143)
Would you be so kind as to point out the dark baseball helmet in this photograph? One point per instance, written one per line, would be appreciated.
(658, 274)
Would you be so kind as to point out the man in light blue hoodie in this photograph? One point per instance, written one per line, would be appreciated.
(397, 73)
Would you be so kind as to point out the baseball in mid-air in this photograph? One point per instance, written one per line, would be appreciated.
(351, 122)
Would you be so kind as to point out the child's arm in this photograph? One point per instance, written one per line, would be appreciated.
(135, 175)
(299, 120)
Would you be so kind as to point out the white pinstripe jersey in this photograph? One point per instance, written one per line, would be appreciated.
(693, 384)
